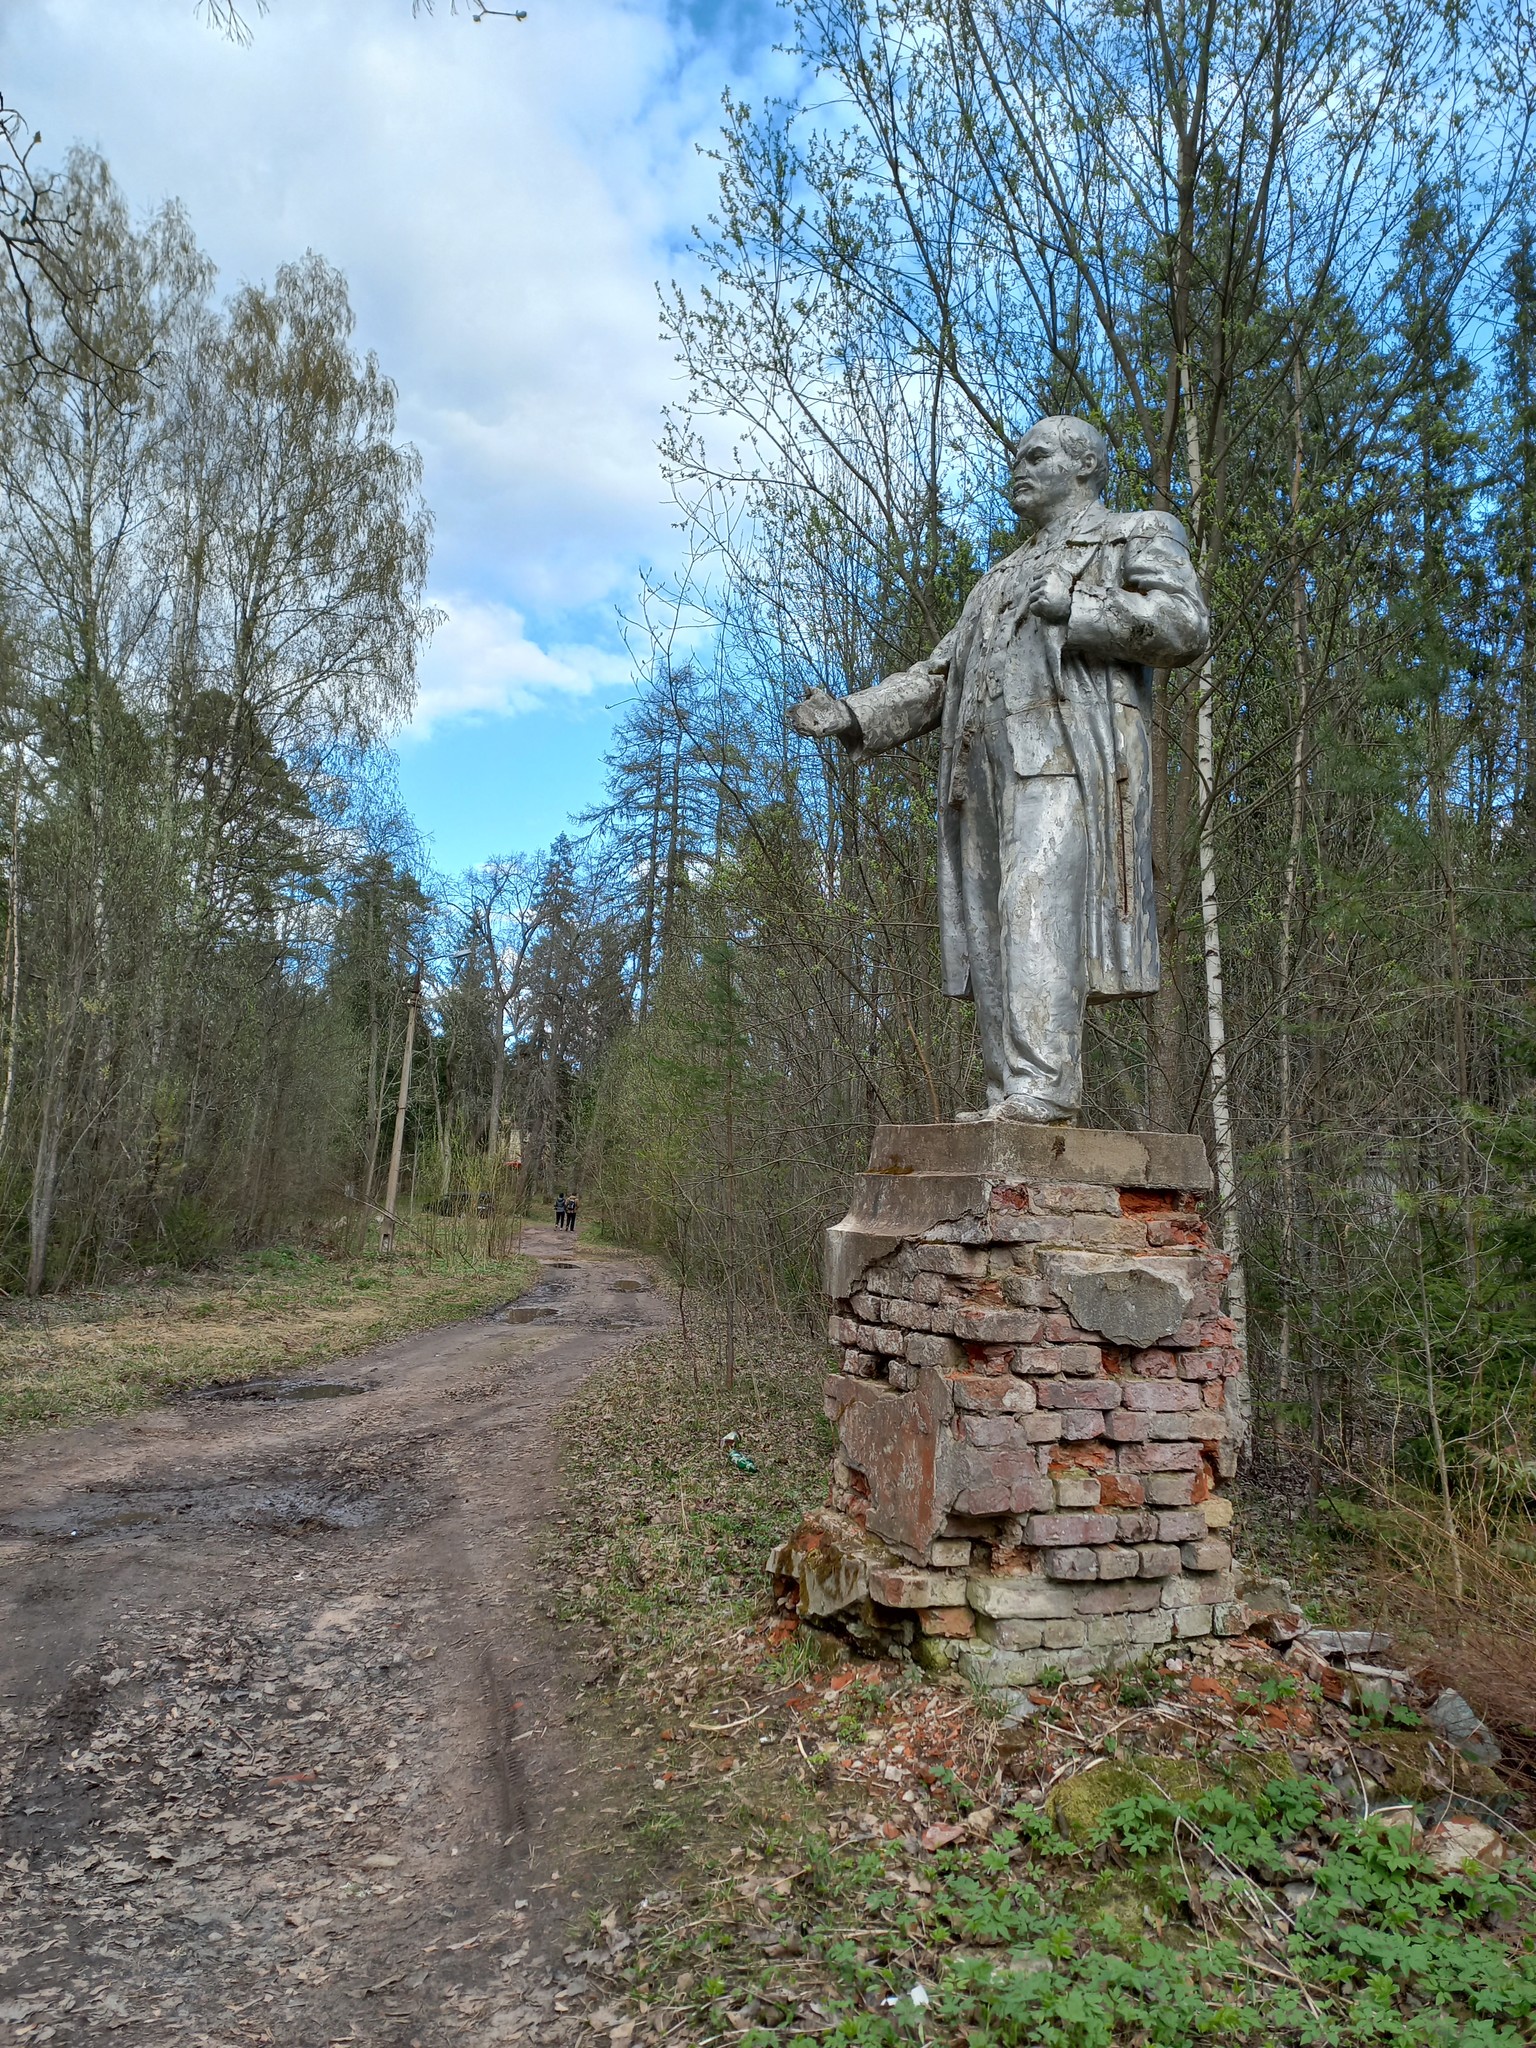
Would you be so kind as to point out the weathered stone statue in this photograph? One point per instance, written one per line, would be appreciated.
(1040, 694)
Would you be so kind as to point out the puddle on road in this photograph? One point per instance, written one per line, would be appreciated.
(242, 1504)
(277, 1390)
(629, 1287)
(540, 1304)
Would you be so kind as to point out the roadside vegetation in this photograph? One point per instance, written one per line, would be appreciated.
(117, 1349)
(1209, 1847)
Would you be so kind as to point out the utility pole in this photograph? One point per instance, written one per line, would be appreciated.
(387, 1231)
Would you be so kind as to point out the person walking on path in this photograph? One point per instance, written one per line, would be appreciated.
(559, 1212)
(570, 1213)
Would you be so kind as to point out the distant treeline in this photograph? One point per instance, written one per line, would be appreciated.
(212, 551)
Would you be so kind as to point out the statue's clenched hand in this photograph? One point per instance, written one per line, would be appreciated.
(821, 716)
(1050, 594)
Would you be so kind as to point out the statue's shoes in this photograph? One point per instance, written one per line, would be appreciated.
(1014, 1109)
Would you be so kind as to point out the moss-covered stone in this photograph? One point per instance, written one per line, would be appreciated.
(1420, 1770)
(933, 1654)
(1078, 1804)
(1125, 1906)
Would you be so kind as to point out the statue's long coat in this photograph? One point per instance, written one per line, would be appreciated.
(1077, 699)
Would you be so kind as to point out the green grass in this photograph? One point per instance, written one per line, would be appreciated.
(76, 1358)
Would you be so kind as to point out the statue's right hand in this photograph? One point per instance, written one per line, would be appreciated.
(821, 716)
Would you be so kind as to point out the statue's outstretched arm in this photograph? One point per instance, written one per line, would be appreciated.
(901, 708)
(871, 721)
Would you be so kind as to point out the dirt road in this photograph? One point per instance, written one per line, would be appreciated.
(290, 1750)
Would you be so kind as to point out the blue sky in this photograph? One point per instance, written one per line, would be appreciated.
(503, 200)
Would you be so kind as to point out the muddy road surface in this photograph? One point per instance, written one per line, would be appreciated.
(291, 1749)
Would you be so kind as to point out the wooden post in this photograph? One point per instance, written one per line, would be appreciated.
(387, 1231)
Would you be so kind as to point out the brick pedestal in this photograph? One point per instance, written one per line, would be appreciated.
(1031, 1405)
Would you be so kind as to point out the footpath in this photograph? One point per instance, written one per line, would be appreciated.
(286, 1750)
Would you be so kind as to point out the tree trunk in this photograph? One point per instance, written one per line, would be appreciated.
(1215, 999)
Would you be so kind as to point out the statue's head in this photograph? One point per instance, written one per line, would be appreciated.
(1061, 464)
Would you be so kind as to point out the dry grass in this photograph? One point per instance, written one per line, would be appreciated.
(117, 1349)
(1476, 1605)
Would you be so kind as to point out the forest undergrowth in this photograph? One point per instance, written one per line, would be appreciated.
(112, 1350)
(1211, 1846)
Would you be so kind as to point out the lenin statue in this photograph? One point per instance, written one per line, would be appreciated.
(1041, 698)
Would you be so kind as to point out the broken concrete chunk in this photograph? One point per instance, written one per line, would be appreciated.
(1460, 1725)
(1457, 1842)
(899, 1586)
(1347, 1642)
(1130, 1301)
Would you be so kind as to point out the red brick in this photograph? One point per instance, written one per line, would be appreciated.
(1155, 1364)
(1097, 1458)
(998, 1325)
(1060, 1329)
(993, 1482)
(1159, 1397)
(1199, 1365)
(1215, 1393)
(1116, 1562)
(1040, 1428)
(1036, 1360)
(1170, 1489)
(1070, 1529)
(1181, 1525)
(1119, 1596)
(1126, 1427)
(992, 1432)
(1168, 1232)
(1078, 1425)
(898, 1586)
(1080, 1394)
(1073, 1198)
(1160, 1458)
(946, 1621)
(1117, 1490)
(1072, 1562)
(1207, 1424)
(991, 1394)
(1159, 1560)
(988, 1358)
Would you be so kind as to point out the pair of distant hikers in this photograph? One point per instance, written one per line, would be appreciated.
(565, 1212)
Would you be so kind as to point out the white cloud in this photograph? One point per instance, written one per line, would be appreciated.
(481, 664)
(502, 199)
